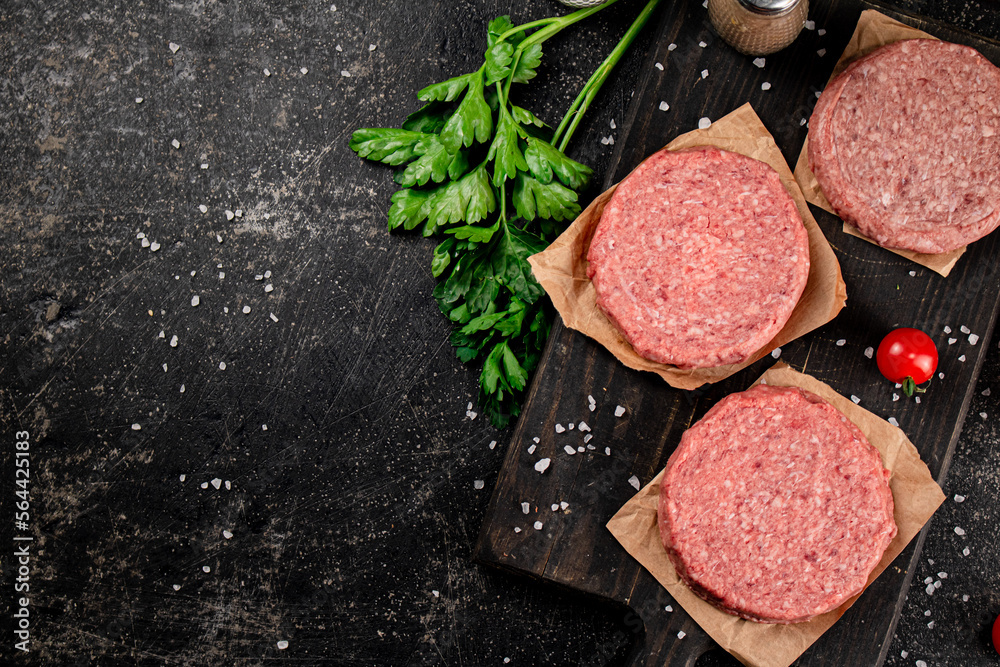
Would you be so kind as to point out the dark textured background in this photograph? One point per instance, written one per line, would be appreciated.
(353, 514)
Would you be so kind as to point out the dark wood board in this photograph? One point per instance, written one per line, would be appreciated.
(573, 549)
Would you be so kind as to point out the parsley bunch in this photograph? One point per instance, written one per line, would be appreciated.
(493, 181)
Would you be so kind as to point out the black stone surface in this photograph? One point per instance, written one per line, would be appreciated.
(337, 435)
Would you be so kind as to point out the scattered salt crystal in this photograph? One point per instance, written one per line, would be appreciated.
(959, 531)
(183, 477)
(229, 214)
(246, 310)
(821, 52)
(841, 343)
(810, 25)
(929, 580)
(478, 484)
(927, 612)
(855, 399)
(759, 62)
(493, 444)
(937, 584)
(913, 273)
(584, 426)
(174, 47)
(681, 634)
(571, 426)
(229, 485)
(563, 505)
(634, 481)
(869, 351)
(175, 143)
(517, 529)
(140, 235)
(581, 449)
(471, 414)
(613, 125)
(206, 568)
(372, 47)
(965, 598)
(588, 437)
(818, 93)
(263, 427)
(344, 72)
(569, 449)
(238, 213)
(154, 246)
(560, 428)
(893, 422)
(973, 339)
(217, 483)
(542, 465)
(267, 72)
(269, 287)
(274, 318)
(531, 449)
(182, 389)
(965, 551)
(668, 608)
(554, 507)
(138, 100)
(821, 32)
(940, 376)
(304, 70)
(176, 587)
(705, 122)
(903, 654)
(204, 165)
(930, 589)
(222, 365)
(145, 243)
(776, 352)
(538, 525)
(766, 85)
(947, 330)
(983, 415)
(658, 66)
(962, 358)
(282, 645)
(619, 411)
(202, 208)
(436, 593)
(920, 663)
(702, 44)
(136, 427)
(942, 575)
(173, 341)
(964, 329)
(506, 660)
(161, 335)
(195, 300)
(607, 451)
(164, 368)
(664, 106)
(671, 46)
(525, 508)
(952, 341)
(930, 625)
(959, 498)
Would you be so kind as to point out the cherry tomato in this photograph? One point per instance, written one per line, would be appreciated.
(996, 634)
(908, 357)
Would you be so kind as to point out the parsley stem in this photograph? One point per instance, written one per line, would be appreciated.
(593, 85)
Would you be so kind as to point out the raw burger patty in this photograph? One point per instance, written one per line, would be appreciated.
(699, 257)
(774, 507)
(905, 144)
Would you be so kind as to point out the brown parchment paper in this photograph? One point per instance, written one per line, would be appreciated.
(915, 494)
(562, 267)
(874, 30)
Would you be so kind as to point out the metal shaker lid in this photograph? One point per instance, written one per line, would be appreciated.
(769, 7)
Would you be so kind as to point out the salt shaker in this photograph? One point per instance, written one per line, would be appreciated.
(758, 27)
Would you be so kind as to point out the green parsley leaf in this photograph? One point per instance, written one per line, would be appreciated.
(408, 208)
(386, 145)
(468, 199)
(510, 262)
(429, 118)
(474, 233)
(505, 152)
(448, 91)
(523, 116)
(472, 120)
(545, 200)
(498, 59)
(435, 163)
(544, 159)
(517, 377)
(527, 65)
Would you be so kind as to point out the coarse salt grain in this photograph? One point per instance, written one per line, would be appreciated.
(269, 287)
(821, 52)
(965, 551)
(929, 589)
(584, 426)
(206, 568)
(202, 208)
(175, 143)
(964, 329)
(947, 329)
(274, 318)
(267, 72)
(304, 70)
(841, 343)
(538, 525)
(563, 505)
(821, 32)
(855, 399)
(569, 449)
(942, 575)
(619, 411)
(345, 73)
(183, 477)
(154, 246)
(959, 531)
(952, 341)
(542, 465)
(517, 529)
(893, 422)
(588, 437)
(776, 352)
(962, 358)
(759, 62)
(531, 449)
(229, 214)
(671, 46)
(607, 451)
(704, 123)
(766, 85)
(658, 66)
(246, 310)
(634, 481)
(525, 508)
(222, 365)
(571, 426)
(478, 484)
(195, 300)
(869, 351)
(704, 73)
(136, 427)
(145, 242)
(681, 634)
(973, 339)
(554, 507)
(959, 498)
(664, 106)
(810, 25)
(176, 587)
(668, 608)
(560, 428)
(920, 663)
(702, 44)
(929, 580)
(282, 645)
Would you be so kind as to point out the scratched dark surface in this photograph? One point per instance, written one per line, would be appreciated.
(309, 480)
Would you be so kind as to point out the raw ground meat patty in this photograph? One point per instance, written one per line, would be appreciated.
(905, 144)
(699, 257)
(774, 506)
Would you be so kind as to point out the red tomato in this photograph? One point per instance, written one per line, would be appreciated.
(996, 634)
(908, 357)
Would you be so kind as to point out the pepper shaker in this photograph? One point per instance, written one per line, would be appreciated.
(758, 27)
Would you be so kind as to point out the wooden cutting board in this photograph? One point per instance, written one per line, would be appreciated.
(573, 549)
